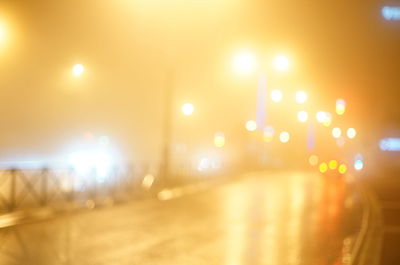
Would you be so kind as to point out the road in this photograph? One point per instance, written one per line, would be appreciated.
(263, 218)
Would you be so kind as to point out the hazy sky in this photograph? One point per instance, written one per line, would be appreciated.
(339, 49)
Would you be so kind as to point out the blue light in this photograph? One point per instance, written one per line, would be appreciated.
(390, 144)
(391, 13)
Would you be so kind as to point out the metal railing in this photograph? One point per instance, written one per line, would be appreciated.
(26, 189)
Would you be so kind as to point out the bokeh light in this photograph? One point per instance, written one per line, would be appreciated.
(358, 165)
(219, 139)
(351, 133)
(301, 97)
(281, 63)
(251, 125)
(336, 132)
(341, 141)
(276, 95)
(342, 169)
(340, 106)
(78, 69)
(284, 137)
(313, 160)
(323, 167)
(302, 116)
(328, 119)
(321, 116)
(268, 133)
(187, 109)
(244, 63)
(148, 181)
(333, 164)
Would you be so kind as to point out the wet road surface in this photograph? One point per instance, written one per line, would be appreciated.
(264, 218)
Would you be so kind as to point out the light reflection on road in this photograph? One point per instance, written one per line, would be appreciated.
(266, 218)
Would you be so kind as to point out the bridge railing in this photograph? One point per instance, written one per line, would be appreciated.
(25, 189)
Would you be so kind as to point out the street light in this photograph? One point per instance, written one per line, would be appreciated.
(284, 137)
(351, 133)
(281, 63)
(244, 63)
(302, 116)
(78, 69)
(187, 109)
(276, 95)
(336, 132)
(251, 126)
(301, 97)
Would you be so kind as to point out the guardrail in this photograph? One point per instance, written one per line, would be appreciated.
(26, 189)
(22, 189)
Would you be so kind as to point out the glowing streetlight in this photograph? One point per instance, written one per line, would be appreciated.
(284, 137)
(351, 133)
(78, 69)
(276, 95)
(321, 116)
(244, 63)
(251, 125)
(324, 117)
(301, 97)
(281, 63)
(336, 132)
(187, 109)
(302, 116)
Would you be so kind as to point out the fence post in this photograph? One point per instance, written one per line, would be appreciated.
(44, 186)
(13, 191)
